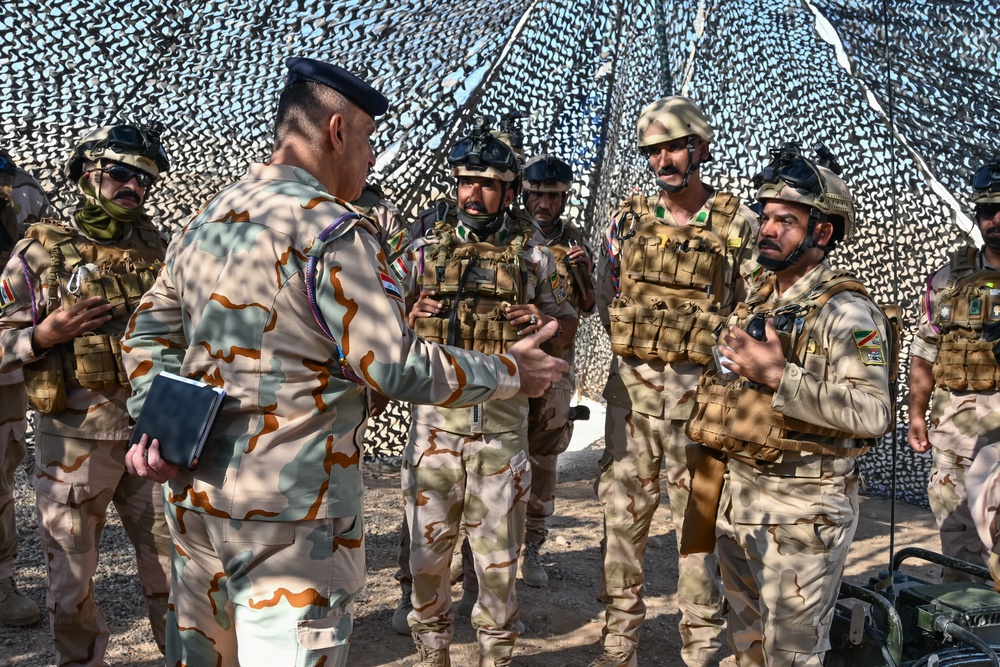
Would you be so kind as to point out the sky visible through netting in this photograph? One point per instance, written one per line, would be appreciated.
(901, 91)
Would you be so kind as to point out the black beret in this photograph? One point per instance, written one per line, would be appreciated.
(367, 98)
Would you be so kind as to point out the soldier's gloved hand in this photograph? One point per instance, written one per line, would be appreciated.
(537, 369)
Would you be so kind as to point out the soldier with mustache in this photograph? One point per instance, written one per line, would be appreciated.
(672, 267)
(65, 298)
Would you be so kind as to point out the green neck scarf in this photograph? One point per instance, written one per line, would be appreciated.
(100, 218)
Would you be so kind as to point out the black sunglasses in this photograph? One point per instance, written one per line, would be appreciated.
(987, 211)
(123, 174)
(479, 152)
(548, 171)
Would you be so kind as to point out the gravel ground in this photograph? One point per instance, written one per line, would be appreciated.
(562, 621)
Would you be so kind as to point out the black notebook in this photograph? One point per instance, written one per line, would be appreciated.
(178, 412)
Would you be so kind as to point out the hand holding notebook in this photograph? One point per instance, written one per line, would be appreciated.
(179, 413)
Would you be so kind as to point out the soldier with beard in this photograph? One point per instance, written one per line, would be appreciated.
(952, 360)
(483, 284)
(68, 291)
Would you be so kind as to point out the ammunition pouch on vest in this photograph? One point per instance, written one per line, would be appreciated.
(475, 282)
(969, 301)
(119, 276)
(660, 332)
(737, 418)
(671, 282)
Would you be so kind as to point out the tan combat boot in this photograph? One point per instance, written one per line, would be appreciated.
(400, 624)
(532, 571)
(615, 657)
(16, 609)
(430, 657)
(505, 661)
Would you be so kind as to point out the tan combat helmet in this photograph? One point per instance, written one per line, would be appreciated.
(986, 184)
(672, 118)
(135, 145)
(792, 177)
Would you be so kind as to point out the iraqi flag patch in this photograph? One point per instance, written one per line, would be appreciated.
(6, 294)
(870, 348)
(389, 286)
(400, 268)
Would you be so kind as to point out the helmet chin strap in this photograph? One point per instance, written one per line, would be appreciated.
(692, 165)
(796, 255)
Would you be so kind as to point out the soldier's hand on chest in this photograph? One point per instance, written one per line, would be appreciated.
(761, 361)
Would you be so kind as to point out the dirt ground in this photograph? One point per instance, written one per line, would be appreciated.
(562, 621)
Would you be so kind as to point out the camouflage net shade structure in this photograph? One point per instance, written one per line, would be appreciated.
(902, 91)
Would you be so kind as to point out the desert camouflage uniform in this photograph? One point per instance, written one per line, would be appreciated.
(23, 202)
(471, 465)
(794, 519)
(80, 450)
(268, 530)
(549, 427)
(647, 403)
(962, 423)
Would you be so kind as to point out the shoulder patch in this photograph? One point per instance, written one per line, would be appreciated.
(397, 241)
(389, 286)
(6, 294)
(558, 288)
(870, 347)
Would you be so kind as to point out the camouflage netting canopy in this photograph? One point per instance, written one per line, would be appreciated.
(901, 90)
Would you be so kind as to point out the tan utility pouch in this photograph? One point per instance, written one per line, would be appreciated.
(720, 413)
(96, 366)
(45, 384)
(432, 329)
(703, 337)
(965, 364)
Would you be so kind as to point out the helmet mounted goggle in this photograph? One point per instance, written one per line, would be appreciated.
(141, 140)
(987, 177)
(789, 168)
(480, 150)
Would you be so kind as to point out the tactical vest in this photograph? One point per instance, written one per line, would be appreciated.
(671, 283)
(475, 283)
(578, 282)
(79, 269)
(736, 416)
(969, 301)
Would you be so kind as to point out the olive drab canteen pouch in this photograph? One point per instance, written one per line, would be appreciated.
(99, 364)
(660, 332)
(968, 303)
